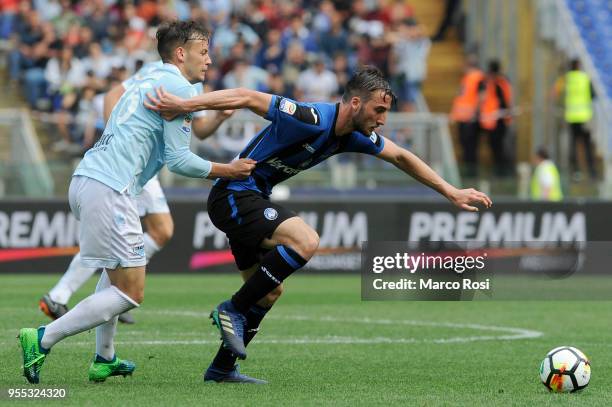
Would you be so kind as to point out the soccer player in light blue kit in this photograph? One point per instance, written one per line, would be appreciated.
(151, 202)
(135, 145)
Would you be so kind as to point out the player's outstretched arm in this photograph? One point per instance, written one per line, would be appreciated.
(229, 99)
(416, 168)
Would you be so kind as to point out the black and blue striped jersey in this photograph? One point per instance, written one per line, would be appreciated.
(300, 136)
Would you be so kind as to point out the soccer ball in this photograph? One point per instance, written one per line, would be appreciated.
(565, 369)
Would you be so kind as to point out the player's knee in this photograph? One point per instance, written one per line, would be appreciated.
(162, 234)
(135, 294)
(308, 245)
(138, 296)
(165, 235)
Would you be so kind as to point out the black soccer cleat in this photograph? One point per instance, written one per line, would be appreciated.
(216, 375)
(231, 324)
(52, 309)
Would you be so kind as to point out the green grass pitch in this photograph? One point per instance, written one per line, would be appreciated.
(321, 345)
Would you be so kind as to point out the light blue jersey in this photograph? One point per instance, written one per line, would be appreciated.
(147, 69)
(137, 142)
(142, 72)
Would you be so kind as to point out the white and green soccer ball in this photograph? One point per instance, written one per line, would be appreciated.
(565, 369)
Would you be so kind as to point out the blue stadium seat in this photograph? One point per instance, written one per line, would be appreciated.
(594, 21)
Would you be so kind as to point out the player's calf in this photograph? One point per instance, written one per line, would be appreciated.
(273, 296)
(275, 267)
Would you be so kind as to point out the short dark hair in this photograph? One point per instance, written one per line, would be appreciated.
(365, 81)
(494, 66)
(542, 152)
(176, 34)
(574, 64)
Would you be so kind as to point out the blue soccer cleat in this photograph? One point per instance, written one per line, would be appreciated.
(231, 324)
(216, 375)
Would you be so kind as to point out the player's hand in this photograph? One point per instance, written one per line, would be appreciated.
(241, 169)
(167, 104)
(466, 198)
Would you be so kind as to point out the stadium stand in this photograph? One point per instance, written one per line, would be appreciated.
(63, 55)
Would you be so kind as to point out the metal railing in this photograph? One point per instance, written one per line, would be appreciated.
(24, 170)
(23, 167)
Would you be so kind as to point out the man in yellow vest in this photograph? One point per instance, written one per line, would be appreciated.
(545, 181)
(579, 95)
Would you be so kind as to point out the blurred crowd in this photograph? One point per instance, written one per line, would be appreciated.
(64, 54)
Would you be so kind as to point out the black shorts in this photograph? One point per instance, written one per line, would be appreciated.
(247, 218)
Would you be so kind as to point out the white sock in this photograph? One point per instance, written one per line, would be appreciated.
(71, 281)
(94, 310)
(150, 246)
(105, 333)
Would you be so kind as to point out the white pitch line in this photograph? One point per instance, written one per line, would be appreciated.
(506, 333)
(510, 332)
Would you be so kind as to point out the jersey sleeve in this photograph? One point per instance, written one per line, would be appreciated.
(199, 87)
(360, 143)
(301, 117)
(177, 139)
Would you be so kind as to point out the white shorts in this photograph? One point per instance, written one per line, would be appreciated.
(152, 199)
(110, 234)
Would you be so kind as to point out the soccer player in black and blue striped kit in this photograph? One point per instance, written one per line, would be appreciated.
(270, 242)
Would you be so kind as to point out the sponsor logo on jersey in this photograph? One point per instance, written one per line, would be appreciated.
(309, 148)
(305, 164)
(279, 165)
(138, 250)
(270, 213)
(373, 137)
(287, 106)
(316, 118)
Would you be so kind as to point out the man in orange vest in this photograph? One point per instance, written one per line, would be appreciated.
(465, 113)
(496, 101)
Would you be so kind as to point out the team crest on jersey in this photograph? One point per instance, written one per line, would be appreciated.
(270, 213)
(287, 106)
(373, 137)
(186, 126)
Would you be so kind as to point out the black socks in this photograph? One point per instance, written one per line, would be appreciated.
(275, 267)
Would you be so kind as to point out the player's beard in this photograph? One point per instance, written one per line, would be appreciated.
(360, 122)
